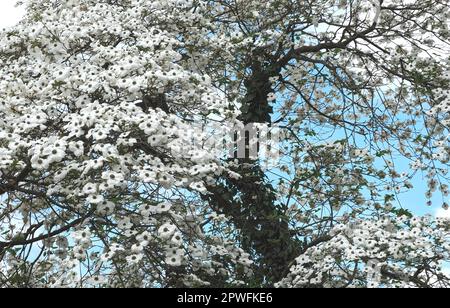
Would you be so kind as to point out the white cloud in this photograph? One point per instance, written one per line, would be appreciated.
(441, 213)
(9, 13)
(446, 270)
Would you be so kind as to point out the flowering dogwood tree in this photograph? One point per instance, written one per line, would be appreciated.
(112, 174)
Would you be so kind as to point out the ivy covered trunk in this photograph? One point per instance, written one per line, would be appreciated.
(251, 201)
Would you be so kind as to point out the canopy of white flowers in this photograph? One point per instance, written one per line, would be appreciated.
(108, 178)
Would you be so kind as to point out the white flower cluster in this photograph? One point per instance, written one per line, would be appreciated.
(388, 252)
(96, 111)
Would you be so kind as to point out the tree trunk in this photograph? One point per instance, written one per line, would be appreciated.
(250, 202)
